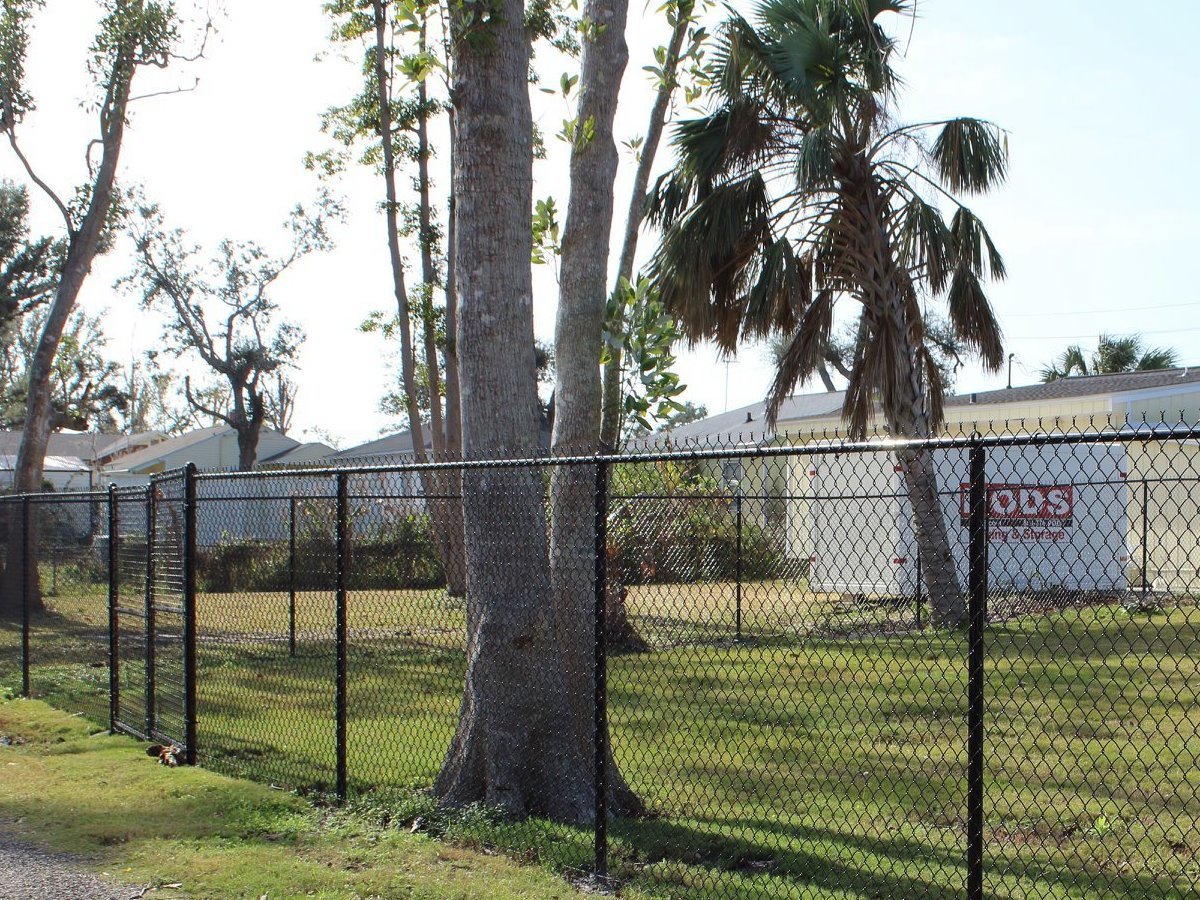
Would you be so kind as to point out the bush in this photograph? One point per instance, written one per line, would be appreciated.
(673, 522)
(398, 555)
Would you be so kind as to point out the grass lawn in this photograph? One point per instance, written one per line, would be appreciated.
(827, 766)
(101, 798)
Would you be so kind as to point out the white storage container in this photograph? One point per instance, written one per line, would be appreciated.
(1056, 518)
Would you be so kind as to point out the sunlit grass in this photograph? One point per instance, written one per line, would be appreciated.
(788, 765)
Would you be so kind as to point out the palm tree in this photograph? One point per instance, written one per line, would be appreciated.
(1112, 357)
(799, 190)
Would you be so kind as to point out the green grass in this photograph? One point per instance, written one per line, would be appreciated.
(101, 798)
(816, 766)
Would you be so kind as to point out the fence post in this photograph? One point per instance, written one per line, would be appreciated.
(1145, 537)
(977, 614)
(114, 598)
(150, 658)
(600, 672)
(919, 598)
(291, 576)
(343, 564)
(26, 549)
(189, 612)
(737, 564)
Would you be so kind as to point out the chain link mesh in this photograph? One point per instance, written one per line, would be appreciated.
(881, 670)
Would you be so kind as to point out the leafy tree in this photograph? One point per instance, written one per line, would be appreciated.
(631, 324)
(1113, 356)
(389, 124)
(28, 266)
(799, 190)
(132, 34)
(155, 400)
(221, 311)
(84, 384)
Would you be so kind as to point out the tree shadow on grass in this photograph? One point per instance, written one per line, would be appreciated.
(825, 860)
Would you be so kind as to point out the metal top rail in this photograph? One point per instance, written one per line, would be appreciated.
(1131, 434)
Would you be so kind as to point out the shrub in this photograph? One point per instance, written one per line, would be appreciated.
(673, 522)
(398, 555)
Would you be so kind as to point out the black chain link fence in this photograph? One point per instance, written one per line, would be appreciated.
(954, 668)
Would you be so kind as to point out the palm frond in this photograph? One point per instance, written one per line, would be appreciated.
(970, 155)
(781, 293)
(973, 247)
(924, 242)
(804, 352)
(1158, 358)
(935, 389)
(670, 197)
(973, 319)
(814, 161)
(730, 140)
(704, 261)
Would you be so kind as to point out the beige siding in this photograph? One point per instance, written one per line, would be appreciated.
(1169, 408)
(1167, 476)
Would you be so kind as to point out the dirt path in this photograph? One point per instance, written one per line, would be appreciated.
(30, 873)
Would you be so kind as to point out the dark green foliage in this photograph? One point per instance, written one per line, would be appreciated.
(674, 523)
(400, 555)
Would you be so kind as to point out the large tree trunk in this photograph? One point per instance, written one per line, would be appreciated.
(515, 746)
(610, 424)
(577, 385)
(247, 439)
(82, 246)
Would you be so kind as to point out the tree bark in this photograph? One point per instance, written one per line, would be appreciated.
(908, 416)
(83, 244)
(577, 385)
(515, 745)
(610, 423)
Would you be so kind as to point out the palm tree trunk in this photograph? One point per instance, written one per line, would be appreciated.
(907, 410)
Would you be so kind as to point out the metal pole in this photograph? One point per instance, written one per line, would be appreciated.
(151, 661)
(737, 574)
(189, 612)
(114, 633)
(977, 614)
(292, 576)
(600, 673)
(920, 599)
(1145, 537)
(26, 548)
(342, 662)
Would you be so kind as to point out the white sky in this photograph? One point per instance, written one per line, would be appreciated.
(1097, 223)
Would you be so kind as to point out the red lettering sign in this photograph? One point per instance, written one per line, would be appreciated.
(1014, 503)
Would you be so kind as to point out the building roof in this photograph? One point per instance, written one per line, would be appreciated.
(8, 462)
(398, 444)
(153, 453)
(88, 446)
(1083, 386)
(139, 460)
(301, 453)
(1061, 389)
(746, 422)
